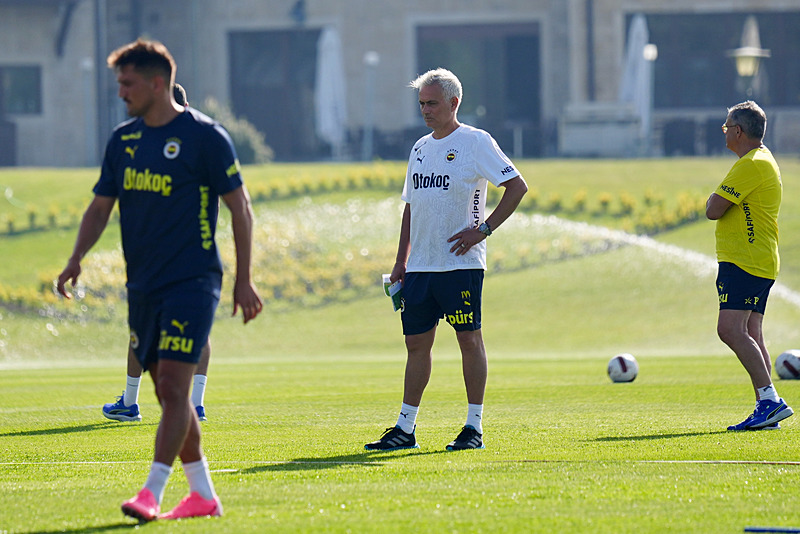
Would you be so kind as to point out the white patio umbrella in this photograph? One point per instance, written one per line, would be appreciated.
(636, 82)
(330, 100)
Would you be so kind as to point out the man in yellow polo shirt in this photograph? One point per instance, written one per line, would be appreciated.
(745, 206)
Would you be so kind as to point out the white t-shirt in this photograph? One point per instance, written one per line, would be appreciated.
(446, 185)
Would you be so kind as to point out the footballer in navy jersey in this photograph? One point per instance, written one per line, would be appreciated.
(168, 181)
(168, 167)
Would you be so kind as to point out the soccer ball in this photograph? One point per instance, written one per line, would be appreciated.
(787, 364)
(623, 368)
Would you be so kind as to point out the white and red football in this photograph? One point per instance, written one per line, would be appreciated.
(787, 365)
(623, 368)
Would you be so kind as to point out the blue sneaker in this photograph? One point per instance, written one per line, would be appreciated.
(744, 426)
(468, 438)
(119, 412)
(201, 413)
(393, 439)
(766, 414)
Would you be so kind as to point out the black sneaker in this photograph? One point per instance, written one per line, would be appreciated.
(468, 438)
(393, 439)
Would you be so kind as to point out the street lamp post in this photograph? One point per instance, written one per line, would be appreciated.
(87, 74)
(748, 56)
(371, 61)
(650, 54)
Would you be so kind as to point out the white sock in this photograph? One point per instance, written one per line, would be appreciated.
(407, 419)
(768, 393)
(475, 417)
(199, 389)
(199, 478)
(131, 395)
(157, 479)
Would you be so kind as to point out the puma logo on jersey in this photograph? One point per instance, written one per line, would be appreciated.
(131, 151)
(179, 326)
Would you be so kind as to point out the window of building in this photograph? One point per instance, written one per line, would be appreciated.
(20, 90)
(272, 86)
(694, 70)
(499, 69)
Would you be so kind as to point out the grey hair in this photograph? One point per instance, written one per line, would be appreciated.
(449, 82)
(750, 118)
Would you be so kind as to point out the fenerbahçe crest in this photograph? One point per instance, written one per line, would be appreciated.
(451, 155)
(172, 148)
(134, 340)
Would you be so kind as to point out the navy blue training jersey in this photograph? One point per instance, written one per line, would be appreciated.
(168, 181)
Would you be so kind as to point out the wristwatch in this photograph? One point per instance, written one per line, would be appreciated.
(485, 229)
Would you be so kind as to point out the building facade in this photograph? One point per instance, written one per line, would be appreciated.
(545, 77)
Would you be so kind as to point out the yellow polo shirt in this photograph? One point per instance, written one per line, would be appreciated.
(747, 234)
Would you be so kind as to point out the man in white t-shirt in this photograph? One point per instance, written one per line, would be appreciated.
(441, 257)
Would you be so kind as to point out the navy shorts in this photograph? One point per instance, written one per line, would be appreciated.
(740, 290)
(452, 295)
(173, 323)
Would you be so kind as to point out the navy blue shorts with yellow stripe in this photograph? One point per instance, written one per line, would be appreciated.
(740, 290)
(452, 295)
(173, 323)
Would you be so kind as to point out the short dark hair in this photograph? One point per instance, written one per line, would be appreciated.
(750, 118)
(151, 58)
(179, 93)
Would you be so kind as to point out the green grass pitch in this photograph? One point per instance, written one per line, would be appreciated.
(293, 397)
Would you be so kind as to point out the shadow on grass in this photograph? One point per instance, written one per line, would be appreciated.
(102, 528)
(64, 430)
(363, 459)
(648, 437)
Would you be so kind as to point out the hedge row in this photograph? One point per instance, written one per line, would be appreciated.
(321, 253)
(650, 216)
